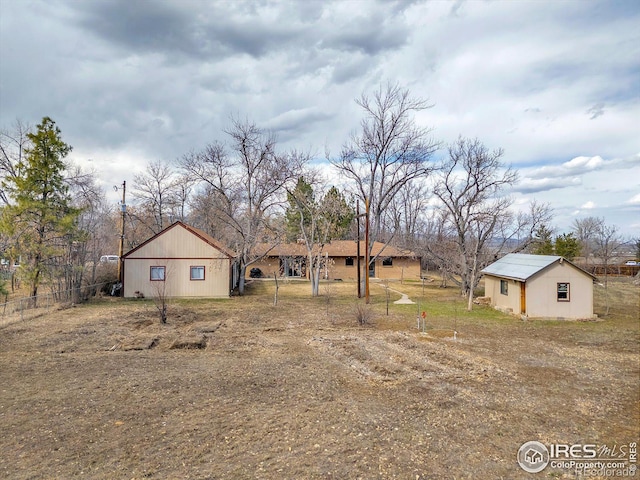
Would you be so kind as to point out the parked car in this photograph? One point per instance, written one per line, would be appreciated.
(109, 258)
(632, 263)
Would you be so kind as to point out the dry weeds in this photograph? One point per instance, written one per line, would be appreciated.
(240, 388)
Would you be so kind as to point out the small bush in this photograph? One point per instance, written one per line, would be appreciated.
(364, 314)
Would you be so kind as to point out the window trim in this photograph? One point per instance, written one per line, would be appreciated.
(162, 268)
(567, 292)
(204, 273)
(504, 283)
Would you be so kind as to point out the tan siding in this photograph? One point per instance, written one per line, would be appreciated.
(542, 293)
(177, 249)
(403, 268)
(503, 302)
(177, 274)
(177, 243)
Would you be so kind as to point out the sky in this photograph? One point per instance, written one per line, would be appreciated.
(555, 84)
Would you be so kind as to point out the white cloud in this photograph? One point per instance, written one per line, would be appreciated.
(588, 206)
(552, 83)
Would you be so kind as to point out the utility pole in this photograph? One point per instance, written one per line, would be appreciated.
(123, 210)
(358, 248)
(366, 251)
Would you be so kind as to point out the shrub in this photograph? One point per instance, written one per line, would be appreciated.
(364, 314)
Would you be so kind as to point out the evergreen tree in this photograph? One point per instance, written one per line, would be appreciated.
(40, 218)
(543, 242)
(567, 246)
(338, 213)
(303, 192)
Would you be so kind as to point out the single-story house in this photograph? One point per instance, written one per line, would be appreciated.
(539, 286)
(341, 261)
(179, 261)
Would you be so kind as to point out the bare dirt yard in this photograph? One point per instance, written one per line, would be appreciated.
(243, 389)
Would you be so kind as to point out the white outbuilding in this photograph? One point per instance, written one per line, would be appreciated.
(539, 286)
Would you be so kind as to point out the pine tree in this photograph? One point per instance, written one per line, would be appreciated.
(303, 192)
(40, 217)
(543, 242)
(567, 246)
(338, 213)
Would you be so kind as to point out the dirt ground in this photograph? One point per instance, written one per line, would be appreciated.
(240, 388)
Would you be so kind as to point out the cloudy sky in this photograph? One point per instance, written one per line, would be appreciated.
(554, 83)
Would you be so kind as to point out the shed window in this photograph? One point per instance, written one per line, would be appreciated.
(563, 292)
(348, 261)
(197, 273)
(504, 287)
(157, 274)
(387, 262)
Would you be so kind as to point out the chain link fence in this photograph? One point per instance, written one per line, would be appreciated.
(26, 308)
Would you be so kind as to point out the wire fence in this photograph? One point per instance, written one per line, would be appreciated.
(26, 308)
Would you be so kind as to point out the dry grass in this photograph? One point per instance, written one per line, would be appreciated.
(240, 388)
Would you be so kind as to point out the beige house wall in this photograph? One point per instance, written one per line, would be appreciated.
(178, 283)
(267, 265)
(509, 302)
(541, 293)
(542, 300)
(402, 268)
(177, 250)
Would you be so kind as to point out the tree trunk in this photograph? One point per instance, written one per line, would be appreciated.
(241, 280)
(314, 275)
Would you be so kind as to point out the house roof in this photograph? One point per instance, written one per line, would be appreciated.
(195, 231)
(337, 248)
(522, 266)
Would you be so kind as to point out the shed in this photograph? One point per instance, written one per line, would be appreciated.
(539, 286)
(179, 261)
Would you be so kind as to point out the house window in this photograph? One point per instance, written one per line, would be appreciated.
(504, 287)
(348, 261)
(197, 273)
(387, 262)
(157, 274)
(563, 292)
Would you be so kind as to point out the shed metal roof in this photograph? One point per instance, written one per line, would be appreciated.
(520, 266)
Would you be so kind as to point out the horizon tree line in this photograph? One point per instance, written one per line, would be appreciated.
(454, 212)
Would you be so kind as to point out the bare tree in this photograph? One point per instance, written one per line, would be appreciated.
(204, 213)
(438, 246)
(319, 223)
(249, 186)
(155, 191)
(470, 189)
(388, 152)
(96, 223)
(586, 230)
(406, 214)
(160, 291)
(606, 242)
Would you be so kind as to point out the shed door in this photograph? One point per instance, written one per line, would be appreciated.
(523, 297)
